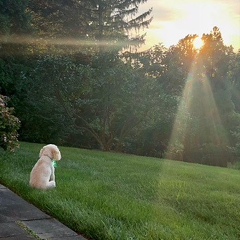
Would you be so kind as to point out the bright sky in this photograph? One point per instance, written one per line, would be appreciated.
(174, 19)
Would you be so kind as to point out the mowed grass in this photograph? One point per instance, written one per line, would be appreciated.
(117, 196)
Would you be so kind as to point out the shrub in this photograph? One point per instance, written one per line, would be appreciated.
(9, 125)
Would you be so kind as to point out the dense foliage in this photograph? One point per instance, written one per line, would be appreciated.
(9, 125)
(73, 79)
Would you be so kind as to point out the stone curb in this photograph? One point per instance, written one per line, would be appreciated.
(21, 220)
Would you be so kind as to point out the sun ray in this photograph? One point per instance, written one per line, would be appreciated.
(197, 116)
(18, 39)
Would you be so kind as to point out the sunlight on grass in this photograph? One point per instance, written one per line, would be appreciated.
(197, 100)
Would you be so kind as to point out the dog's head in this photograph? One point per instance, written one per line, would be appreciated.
(51, 151)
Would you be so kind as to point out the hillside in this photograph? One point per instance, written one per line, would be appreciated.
(116, 196)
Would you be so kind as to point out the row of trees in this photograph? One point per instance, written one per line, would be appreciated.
(71, 82)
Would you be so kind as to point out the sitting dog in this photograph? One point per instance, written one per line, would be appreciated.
(42, 175)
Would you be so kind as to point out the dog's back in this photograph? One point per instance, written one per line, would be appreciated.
(40, 175)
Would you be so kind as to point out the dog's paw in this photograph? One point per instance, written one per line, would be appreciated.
(52, 184)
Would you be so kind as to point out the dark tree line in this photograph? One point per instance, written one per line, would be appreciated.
(66, 67)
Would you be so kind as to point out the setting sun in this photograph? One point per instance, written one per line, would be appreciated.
(198, 43)
(173, 20)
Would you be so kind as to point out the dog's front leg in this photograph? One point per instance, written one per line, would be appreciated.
(52, 177)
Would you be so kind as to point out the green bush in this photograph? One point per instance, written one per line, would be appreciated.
(9, 125)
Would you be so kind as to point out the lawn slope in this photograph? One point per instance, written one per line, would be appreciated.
(116, 196)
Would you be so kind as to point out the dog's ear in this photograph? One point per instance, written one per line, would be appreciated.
(56, 154)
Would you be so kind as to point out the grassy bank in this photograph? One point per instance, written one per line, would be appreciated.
(116, 196)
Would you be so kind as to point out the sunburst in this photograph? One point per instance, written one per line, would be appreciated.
(198, 43)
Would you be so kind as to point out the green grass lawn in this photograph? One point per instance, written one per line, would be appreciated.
(116, 196)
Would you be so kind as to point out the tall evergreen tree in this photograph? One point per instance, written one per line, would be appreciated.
(15, 22)
(92, 20)
(114, 20)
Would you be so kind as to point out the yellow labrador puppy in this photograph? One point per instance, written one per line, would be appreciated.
(42, 175)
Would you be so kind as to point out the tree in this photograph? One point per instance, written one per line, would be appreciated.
(202, 122)
(14, 18)
(105, 106)
(197, 120)
(112, 20)
(78, 25)
(57, 19)
(234, 80)
(103, 102)
(15, 23)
